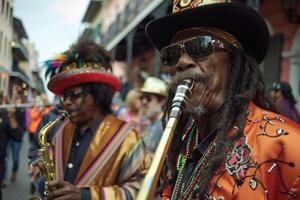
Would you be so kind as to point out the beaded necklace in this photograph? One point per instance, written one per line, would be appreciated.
(195, 180)
(182, 160)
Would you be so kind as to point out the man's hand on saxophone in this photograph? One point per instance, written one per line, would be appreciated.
(63, 190)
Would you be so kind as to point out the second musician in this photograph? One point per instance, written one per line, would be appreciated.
(97, 156)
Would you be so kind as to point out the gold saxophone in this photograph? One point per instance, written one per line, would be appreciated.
(183, 92)
(49, 166)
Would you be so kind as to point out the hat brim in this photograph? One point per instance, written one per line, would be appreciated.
(64, 80)
(243, 22)
(152, 92)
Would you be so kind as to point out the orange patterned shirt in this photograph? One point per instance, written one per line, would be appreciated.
(264, 164)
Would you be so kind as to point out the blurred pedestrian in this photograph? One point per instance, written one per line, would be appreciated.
(132, 111)
(117, 105)
(284, 100)
(153, 99)
(8, 129)
(13, 146)
(35, 117)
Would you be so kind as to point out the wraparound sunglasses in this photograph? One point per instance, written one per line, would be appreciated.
(197, 48)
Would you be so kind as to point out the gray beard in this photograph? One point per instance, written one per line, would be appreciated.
(152, 112)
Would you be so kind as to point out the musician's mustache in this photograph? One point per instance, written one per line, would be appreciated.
(203, 78)
(74, 110)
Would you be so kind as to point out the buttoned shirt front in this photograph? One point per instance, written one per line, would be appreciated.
(80, 144)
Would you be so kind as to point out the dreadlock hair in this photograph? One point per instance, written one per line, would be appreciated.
(102, 95)
(245, 84)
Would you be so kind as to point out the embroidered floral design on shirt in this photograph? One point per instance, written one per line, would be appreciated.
(241, 164)
(269, 121)
(239, 159)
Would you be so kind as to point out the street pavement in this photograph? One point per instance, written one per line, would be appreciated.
(18, 190)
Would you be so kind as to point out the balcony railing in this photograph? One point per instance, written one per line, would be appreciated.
(20, 51)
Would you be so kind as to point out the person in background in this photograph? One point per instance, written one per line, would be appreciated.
(36, 114)
(284, 100)
(117, 105)
(50, 116)
(139, 79)
(13, 146)
(9, 128)
(132, 111)
(153, 99)
(227, 143)
(97, 155)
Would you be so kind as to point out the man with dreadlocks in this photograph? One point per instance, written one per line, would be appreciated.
(97, 156)
(227, 145)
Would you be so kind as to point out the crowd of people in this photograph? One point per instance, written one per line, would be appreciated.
(141, 109)
(231, 142)
(15, 122)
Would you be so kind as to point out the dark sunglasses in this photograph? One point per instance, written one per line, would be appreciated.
(197, 48)
(73, 96)
(147, 97)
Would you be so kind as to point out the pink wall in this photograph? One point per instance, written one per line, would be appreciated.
(272, 11)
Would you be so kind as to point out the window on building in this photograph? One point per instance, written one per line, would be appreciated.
(272, 61)
(1, 42)
(9, 48)
(7, 10)
(2, 8)
(5, 47)
(2, 82)
(11, 15)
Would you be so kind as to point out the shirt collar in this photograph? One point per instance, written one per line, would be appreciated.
(93, 127)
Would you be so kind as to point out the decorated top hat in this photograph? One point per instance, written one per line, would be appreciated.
(85, 62)
(242, 22)
(154, 85)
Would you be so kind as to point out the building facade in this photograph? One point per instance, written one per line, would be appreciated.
(6, 35)
(283, 19)
(120, 24)
(19, 72)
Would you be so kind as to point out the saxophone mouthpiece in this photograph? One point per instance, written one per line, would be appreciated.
(63, 115)
(183, 92)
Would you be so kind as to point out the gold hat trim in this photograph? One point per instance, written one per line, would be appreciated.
(227, 37)
(181, 5)
(85, 65)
